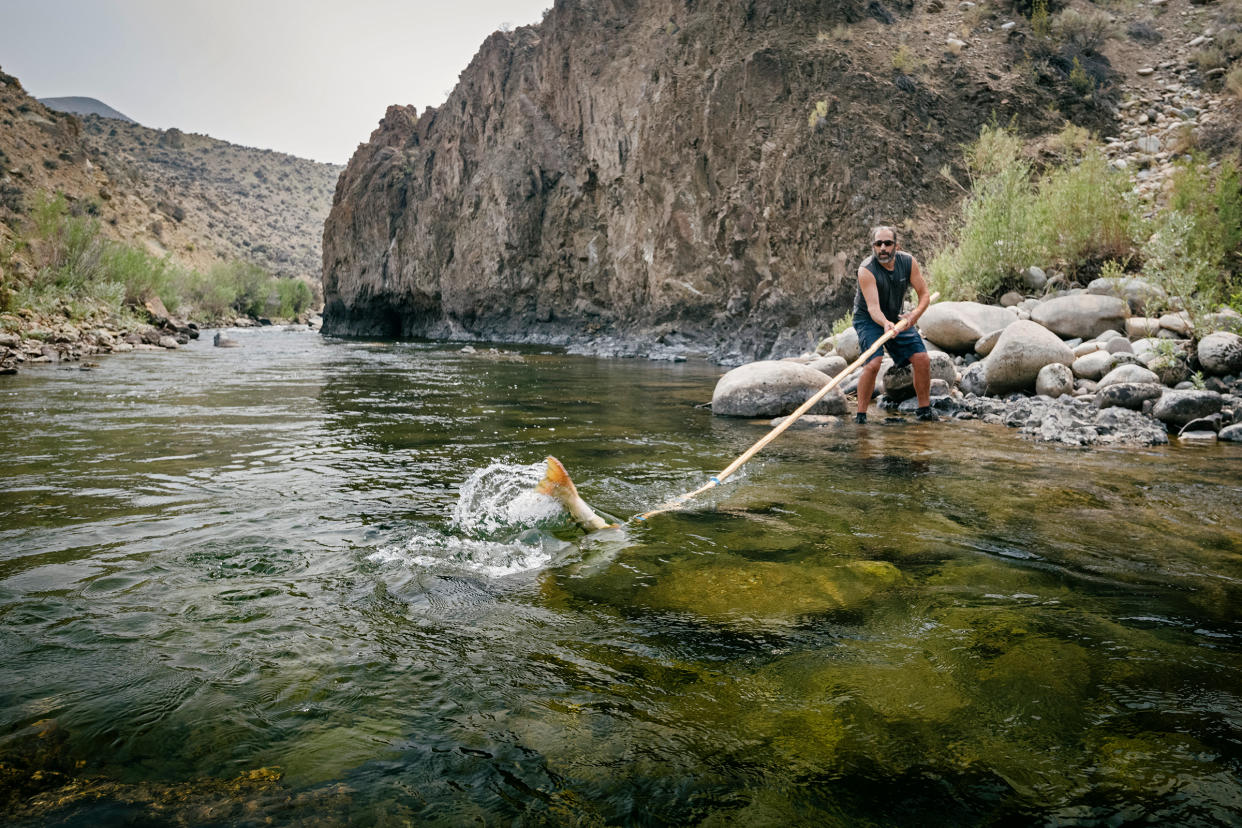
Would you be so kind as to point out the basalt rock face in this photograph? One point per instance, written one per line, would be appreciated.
(654, 170)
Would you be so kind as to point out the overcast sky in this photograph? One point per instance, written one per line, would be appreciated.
(307, 77)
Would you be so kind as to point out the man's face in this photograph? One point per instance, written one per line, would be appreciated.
(884, 246)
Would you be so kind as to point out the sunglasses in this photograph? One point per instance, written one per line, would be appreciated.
(883, 244)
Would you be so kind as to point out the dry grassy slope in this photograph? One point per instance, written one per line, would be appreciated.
(192, 197)
(263, 206)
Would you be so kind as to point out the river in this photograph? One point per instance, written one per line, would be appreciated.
(302, 581)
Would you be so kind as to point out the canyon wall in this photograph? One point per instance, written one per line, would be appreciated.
(663, 172)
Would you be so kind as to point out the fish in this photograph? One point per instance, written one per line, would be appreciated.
(557, 485)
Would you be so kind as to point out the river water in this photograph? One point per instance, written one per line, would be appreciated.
(304, 581)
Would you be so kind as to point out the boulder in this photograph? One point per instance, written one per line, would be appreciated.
(1220, 353)
(1128, 373)
(987, 342)
(1211, 423)
(1226, 319)
(1022, 350)
(771, 388)
(974, 380)
(1119, 345)
(1034, 278)
(1138, 327)
(1232, 434)
(847, 344)
(1129, 395)
(1176, 408)
(957, 326)
(1054, 380)
(830, 365)
(1170, 368)
(899, 382)
(1092, 366)
(1178, 322)
(1085, 315)
(1137, 293)
(169, 342)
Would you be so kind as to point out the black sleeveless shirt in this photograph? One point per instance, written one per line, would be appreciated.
(892, 286)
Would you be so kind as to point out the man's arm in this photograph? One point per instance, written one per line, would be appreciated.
(866, 283)
(920, 288)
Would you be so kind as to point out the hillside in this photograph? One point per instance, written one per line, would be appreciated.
(85, 106)
(197, 199)
(706, 174)
(258, 205)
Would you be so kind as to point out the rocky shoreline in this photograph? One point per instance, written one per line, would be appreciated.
(1081, 367)
(28, 338)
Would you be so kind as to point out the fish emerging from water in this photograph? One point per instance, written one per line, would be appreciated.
(557, 485)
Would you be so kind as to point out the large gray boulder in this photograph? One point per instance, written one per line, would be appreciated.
(1220, 353)
(1022, 350)
(831, 365)
(899, 382)
(1137, 293)
(1054, 380)
(771, 388)
(957, 326)
(1129, 372)
(1082, 315)
(1129, 395)
(1177, 408)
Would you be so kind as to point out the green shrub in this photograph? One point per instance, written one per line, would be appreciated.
(1084, 214)
(68, 249)
(1205, 220)
(1086, 31)
(1075, 216)
(1079, 80)
(994, 242)
(295, 297)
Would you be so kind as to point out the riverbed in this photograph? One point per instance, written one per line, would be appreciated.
(301, 580)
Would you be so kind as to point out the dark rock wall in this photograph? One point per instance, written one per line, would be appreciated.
(644, 167)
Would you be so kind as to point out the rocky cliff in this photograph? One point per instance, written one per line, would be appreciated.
(686, 172)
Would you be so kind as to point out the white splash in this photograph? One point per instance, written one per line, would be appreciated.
(494, 528)
(502, 497)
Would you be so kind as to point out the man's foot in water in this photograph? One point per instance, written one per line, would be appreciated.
(860, 417)
(926, 415)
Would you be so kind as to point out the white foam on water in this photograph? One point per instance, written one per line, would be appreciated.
(493, 531)
(501, 497)
(492, 559)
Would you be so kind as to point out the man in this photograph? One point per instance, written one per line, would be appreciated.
(884, 277)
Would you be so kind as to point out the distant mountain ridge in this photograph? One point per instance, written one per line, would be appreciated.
(85, 106)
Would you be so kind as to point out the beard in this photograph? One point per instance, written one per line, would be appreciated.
(885, 255)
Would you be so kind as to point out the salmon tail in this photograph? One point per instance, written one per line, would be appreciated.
(556, 480)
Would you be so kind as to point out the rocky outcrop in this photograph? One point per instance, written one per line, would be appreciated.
(639, 167)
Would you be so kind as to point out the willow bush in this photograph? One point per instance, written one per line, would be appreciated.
(76, 269)
(1075, 216)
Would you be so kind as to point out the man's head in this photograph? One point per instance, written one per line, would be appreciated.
(884, 243)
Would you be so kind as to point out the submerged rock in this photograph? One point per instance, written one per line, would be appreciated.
(740, 590)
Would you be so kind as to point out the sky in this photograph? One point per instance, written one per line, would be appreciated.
(308, 77)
